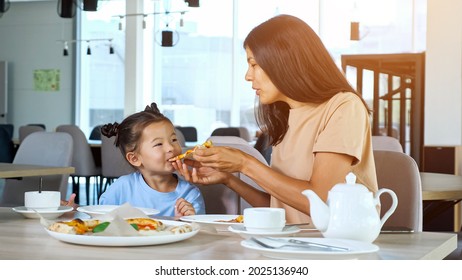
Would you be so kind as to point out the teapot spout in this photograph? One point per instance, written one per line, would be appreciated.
(319, 211)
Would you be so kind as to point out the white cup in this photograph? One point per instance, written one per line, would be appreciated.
(264, 219)
(42, 201)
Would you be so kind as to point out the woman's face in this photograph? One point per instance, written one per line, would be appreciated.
(261, 83)
(158, 144)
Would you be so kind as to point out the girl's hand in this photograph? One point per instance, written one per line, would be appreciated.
(183, 208)
(70, 202)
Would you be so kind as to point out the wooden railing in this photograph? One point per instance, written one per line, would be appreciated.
(397, 95)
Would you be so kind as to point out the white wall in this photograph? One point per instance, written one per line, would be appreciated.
(28, 35)
(443, 78)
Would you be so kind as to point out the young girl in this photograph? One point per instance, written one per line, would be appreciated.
(147, 140)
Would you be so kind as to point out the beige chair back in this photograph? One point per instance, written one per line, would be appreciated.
(83, 162)
(386, 143)
(40, 148)
(180, 137)
(113, 164)
(399, 172)
(237, 202)
(25, 130)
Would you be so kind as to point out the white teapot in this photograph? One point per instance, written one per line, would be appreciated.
(351, 211)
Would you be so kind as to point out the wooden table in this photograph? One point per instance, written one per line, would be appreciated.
(26, 239)
(10, 170)
(446, 187)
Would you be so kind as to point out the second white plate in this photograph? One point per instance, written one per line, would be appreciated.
(218, 221)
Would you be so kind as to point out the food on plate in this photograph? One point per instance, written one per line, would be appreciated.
(144, 226)
(188, 153)
(238, 219)
(76, 226)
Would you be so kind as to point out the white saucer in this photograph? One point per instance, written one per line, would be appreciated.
(47, 214)
(244, 233)
(356, 249)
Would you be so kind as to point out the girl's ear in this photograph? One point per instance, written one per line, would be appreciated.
(133, 159)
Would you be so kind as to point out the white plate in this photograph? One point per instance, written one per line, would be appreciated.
(48, 214)
(212, 220)
(125, 240)
(95, 210)
(244, 233)
(357, 248)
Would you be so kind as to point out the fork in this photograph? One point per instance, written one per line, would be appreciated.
(277, 244)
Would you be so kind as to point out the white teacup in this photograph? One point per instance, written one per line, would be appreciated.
(264, 219)
(42, 201)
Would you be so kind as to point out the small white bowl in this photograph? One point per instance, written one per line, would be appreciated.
(264, 219)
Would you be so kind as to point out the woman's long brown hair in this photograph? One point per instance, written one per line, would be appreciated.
(298, 64)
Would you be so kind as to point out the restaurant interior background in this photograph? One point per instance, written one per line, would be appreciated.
(115, 64)
(197, 82)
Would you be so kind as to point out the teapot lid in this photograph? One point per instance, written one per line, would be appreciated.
(350, 185)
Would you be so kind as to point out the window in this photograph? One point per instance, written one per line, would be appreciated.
(200, 81)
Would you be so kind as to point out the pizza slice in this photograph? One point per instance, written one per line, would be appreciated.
(188, 153)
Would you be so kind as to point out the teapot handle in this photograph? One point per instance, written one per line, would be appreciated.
(392, 207)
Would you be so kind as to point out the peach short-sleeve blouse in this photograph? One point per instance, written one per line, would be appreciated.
(340, 125)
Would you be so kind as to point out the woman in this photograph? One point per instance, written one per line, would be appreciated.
(318, 126)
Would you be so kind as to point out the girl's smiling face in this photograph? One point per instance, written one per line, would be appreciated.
(158, 143)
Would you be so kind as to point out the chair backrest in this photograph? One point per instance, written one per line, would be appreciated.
(9, 128)
(386, 143)
(40, 148)
(82, 158)
(26, 130)
(244, 133)
(113, 164)
(95, 133)
(39, 124)
(226, 131)
(189, 133)
(233, 200)
(399, 172)
(263, 146)
(180, 137)
(6, 146)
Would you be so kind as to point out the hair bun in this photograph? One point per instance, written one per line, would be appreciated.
(153, 108)
(110, 129)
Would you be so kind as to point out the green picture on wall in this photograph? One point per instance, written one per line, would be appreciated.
(46, 80)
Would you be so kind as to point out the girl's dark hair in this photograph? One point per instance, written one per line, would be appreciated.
(298, 64)
(128, 133)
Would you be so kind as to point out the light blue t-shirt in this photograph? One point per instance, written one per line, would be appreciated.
(133, 189)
